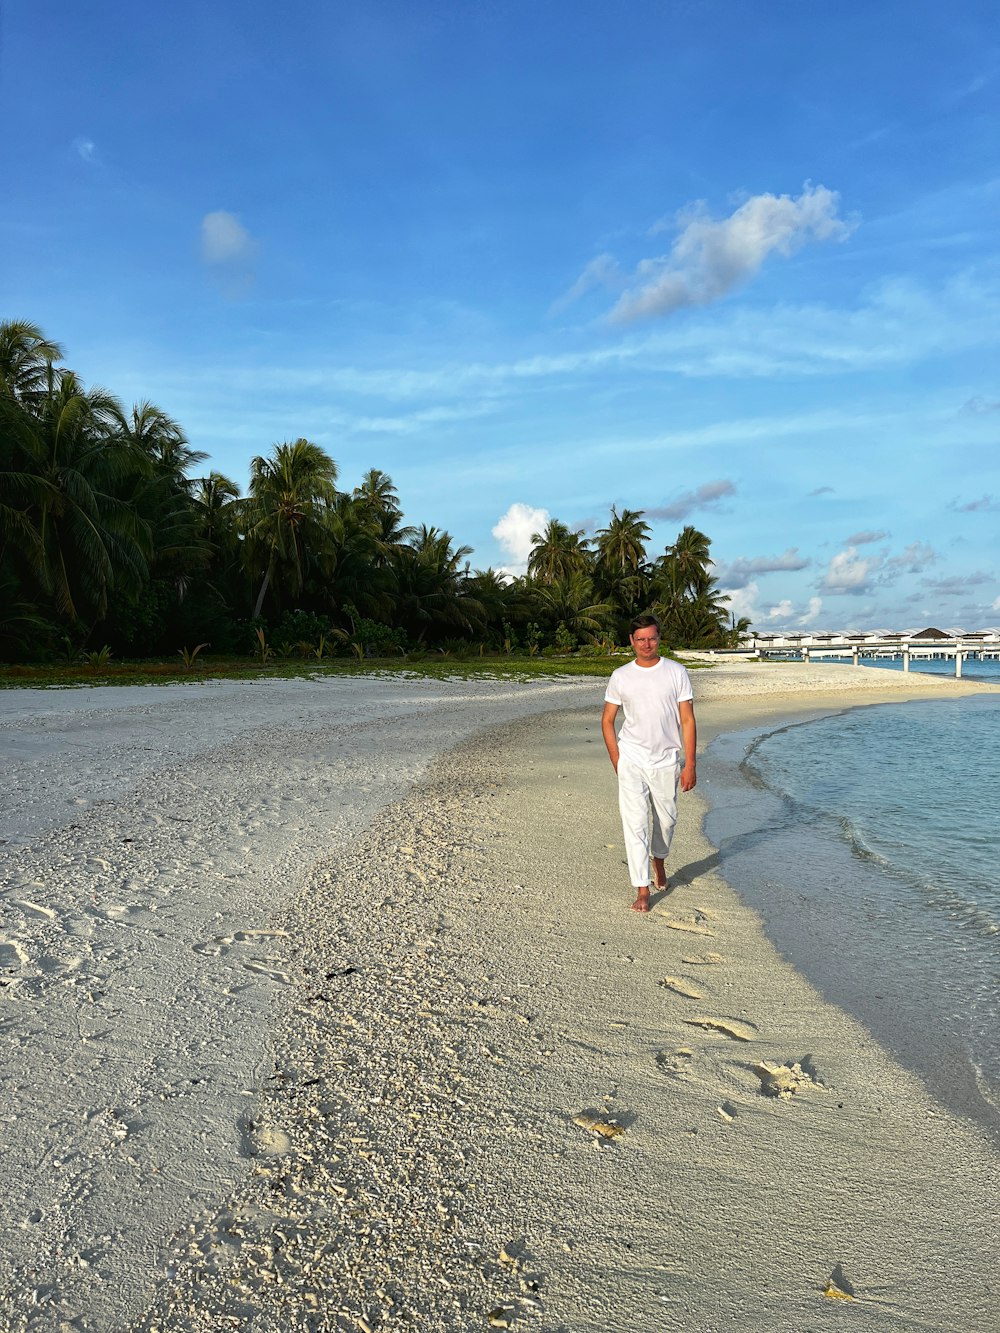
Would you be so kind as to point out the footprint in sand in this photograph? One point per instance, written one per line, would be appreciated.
(130, 914)
(704, 960)
(726, 1112)
(731, 1028)
(12, 956)
(266, 969)
(35, 909)
(692, 926)
(676, 1063)
(219, 946)
(681, 987)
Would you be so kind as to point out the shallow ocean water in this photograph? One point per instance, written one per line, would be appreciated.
(869, 841)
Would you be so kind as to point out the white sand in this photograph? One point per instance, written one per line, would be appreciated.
(348, 1119)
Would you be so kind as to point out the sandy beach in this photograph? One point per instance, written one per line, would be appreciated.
(323, 1009)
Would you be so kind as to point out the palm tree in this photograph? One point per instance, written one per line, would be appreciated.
(214, 497)
(377, 498)
(621, 572)
(557, 553)
(162, 495)
(569, 601)
(377, 491)
(433, 594)
(691, 551)
(26, 361)
(71, 470)
(355, 567)
(621, 545)
(282, 516)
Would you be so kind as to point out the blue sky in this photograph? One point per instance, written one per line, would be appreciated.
(734, 264)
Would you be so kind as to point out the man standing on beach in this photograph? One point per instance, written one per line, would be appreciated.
(656, 697)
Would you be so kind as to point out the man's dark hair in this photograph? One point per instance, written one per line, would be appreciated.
(643, 622)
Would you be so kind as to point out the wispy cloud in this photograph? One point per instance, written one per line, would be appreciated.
(711, 257)
(985, 504)
(225, 240)
(898, 323)
(811, 614)
(958, 584)
(707, 496)
(86, 149)
(866, 537)
(603, 271)
(914, 558)
(821, 490)
(229, 253)
(740, 572)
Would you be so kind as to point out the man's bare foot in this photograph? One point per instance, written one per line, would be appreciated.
(641, 903)
(660, 873)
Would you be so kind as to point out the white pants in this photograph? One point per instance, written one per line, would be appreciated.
(641, 791)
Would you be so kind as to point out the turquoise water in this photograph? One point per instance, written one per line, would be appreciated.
(972, 668)
(870, 842)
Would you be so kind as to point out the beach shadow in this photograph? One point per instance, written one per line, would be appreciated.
(684, 875)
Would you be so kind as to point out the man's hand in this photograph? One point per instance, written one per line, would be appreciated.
(689, 731)
(608, 732)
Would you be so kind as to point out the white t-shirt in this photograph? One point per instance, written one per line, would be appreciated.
(649, 697)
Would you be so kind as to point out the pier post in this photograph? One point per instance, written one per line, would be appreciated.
(906, 657)
(854, 655)
(958, 663)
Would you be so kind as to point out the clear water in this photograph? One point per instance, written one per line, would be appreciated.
(870, 842)
(972, 668)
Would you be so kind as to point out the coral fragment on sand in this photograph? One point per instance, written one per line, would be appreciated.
(782, 1080)
(607, 1129)
(833, 1293)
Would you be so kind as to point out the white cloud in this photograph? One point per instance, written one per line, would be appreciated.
(995, 606)
(514, 530)
(224, 240)
(782, 611)
(706, 496)
(711, 257)
(739, 573)
(743, 601)
(866, 538)
(850, 573)
(85, 149)
(913, 558)
(812, 614)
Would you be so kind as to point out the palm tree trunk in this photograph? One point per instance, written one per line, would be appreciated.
(263, 588)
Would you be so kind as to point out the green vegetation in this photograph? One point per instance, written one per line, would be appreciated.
(438, 667)
(111, 552)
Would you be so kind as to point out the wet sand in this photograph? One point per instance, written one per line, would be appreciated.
(434, 1073)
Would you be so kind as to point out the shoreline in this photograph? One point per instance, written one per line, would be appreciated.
(824, 906)
(462, 981)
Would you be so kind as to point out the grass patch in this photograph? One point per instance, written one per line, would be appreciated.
(511, 668)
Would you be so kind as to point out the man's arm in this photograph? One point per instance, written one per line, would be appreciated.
(608, 731)
(689, 732)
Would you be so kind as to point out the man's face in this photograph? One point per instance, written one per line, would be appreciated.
(646, 644)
